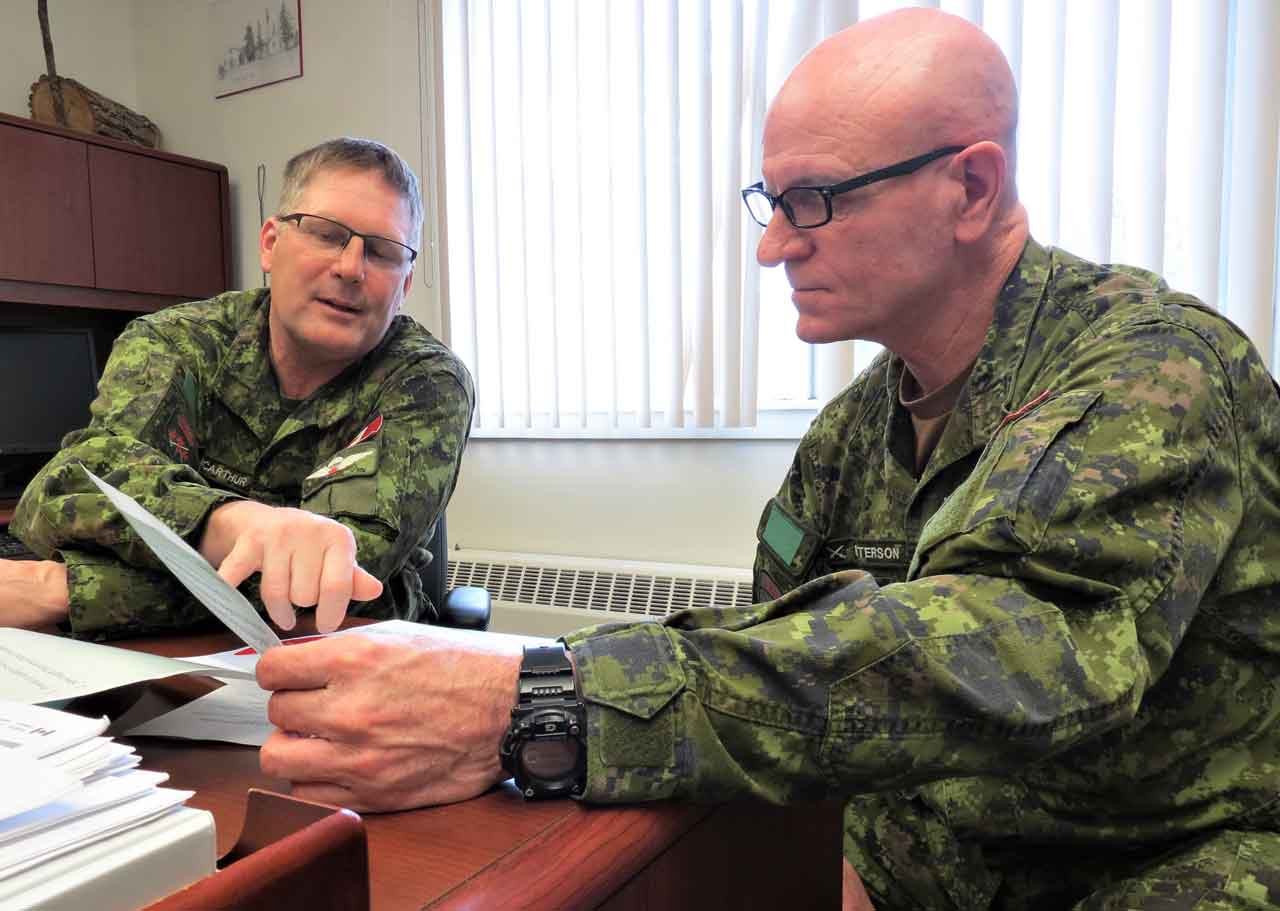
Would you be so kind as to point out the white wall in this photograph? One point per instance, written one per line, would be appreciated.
(92, 43)
(688, 501)
(671, 501)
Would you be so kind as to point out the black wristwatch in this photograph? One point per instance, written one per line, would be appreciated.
(545, 748)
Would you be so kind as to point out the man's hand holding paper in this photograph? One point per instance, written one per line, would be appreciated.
(374, 722)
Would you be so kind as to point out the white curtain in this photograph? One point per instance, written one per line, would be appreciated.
(601, 267)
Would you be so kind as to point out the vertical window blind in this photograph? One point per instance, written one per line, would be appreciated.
(601, 269)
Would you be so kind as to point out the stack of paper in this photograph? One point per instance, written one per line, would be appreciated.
(73, 804)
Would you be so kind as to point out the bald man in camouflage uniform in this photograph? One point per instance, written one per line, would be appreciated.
(331, 423)
(1019, 587)
(1057, 631)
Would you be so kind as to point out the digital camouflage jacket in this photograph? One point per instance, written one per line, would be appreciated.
(1067, 629)
(189, 415)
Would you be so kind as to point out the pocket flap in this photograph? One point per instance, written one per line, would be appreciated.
(633, 670)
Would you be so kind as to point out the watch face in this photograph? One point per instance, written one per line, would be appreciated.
(549, 759)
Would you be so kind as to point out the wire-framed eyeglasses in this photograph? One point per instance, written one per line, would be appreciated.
(333, 236)
(810, 207)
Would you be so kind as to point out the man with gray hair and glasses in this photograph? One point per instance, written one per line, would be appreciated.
(308, 432)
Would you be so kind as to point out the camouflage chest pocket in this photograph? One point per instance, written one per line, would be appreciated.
(1015, 488)
(348, 485)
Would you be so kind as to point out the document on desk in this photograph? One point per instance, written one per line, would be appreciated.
(68, 792)
(75, 802)
(23, 853)
(193, 571)
(40, 784)
(37, 668)
(406, 629)
(237, 712)
(233, 713)
(34, 745)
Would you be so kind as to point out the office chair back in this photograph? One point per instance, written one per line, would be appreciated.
(467, 607)
(435, 578)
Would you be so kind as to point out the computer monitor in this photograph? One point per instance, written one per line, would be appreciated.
(48, 377)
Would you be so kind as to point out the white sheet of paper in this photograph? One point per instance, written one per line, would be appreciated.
(80, 752)
(18, 855)
(193, 571)
(108, 792)
(42, 732)
(235, 713)
(126, 762)
(239, 661)
(407, 629)
(83, 759)
(27, 783)
(28, 735)
(38, 667)
(113, 756)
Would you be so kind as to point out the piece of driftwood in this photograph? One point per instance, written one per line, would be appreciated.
(90, 112)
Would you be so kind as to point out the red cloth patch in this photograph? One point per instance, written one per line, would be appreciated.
(370, 429)
(183, 440)
(1014, 415)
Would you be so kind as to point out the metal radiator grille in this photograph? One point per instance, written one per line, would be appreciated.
(637, 594)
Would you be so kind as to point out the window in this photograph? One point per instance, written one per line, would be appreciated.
(601, 266)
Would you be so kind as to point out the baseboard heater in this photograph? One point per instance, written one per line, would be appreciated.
(550, 594)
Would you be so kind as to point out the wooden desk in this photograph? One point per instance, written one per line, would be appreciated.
(499, 851)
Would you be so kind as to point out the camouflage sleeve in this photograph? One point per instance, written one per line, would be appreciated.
(112, 600)
(1049, 593)
(399, 481)
(61, 511)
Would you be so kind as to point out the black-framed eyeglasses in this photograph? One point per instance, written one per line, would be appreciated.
(810, 207)
(333, 236)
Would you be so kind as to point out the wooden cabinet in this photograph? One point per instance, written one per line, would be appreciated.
(93, 223)
(155, 225)
(44, 198)
(94, 231)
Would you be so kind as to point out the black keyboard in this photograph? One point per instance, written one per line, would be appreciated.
(13, 549)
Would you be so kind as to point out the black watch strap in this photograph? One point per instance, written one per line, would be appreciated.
(545, 673)
(549, 719)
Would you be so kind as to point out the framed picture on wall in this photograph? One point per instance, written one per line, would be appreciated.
(254, 43)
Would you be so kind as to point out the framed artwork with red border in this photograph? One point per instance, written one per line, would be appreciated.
(254, 43)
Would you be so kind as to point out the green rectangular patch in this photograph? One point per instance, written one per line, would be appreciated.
(783, 535)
